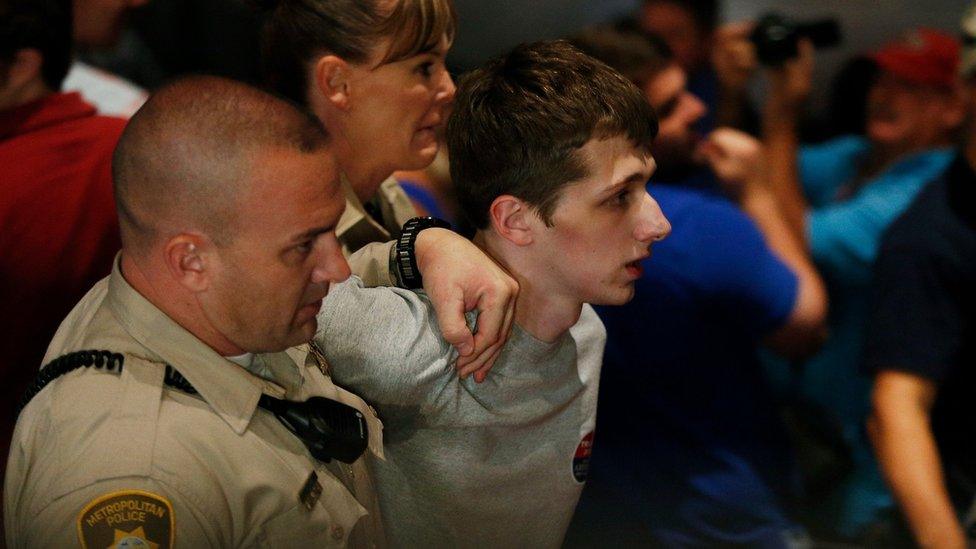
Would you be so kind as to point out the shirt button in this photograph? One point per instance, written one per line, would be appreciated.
(337, 532)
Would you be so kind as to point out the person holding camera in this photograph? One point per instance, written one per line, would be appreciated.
(718, 58)
(839, 197)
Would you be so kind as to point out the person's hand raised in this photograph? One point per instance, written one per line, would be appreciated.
(790, 84)
(736, 158)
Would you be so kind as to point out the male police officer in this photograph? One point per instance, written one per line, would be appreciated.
(228, 200)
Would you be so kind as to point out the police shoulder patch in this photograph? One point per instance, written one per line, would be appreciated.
(127, 518)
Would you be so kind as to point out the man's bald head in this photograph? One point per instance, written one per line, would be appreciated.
(182, 163)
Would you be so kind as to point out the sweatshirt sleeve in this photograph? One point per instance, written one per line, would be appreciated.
(384, 344)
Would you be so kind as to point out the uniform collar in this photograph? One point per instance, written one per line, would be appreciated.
(229, 389)
(322, 385)
(356, 228)
(49, 110)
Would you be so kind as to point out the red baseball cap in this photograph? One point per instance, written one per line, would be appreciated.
(922, 56)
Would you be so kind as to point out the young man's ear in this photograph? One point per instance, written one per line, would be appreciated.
(332, 79)
(513, 219)
(186, 257)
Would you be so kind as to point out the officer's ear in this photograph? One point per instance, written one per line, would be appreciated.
(331, 75)
(187, 257)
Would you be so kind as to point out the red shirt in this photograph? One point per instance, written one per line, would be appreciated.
(58, 228)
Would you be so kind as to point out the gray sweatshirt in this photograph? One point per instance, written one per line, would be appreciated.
(496, 464)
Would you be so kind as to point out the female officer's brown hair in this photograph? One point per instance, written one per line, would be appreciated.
(298, 31)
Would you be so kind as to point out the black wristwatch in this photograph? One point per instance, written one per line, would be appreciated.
(403, 258)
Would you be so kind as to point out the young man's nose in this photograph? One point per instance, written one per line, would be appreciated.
(654, 226)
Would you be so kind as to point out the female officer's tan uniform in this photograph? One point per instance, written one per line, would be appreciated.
(367, 241)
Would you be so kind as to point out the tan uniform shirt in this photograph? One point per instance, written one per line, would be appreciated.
(106, 457)
(372, 240)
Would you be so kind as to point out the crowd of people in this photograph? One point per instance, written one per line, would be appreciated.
(592, 292)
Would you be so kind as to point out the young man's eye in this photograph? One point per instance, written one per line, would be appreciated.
(621, 198)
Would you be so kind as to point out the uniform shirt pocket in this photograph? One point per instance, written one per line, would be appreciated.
(328, 523)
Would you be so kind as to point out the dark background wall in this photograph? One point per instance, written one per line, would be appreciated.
(489, 27)
(177, 36)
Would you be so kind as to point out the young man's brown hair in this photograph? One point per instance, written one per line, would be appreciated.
(519, 122)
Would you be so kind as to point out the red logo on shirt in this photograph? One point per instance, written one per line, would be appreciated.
(581, 460)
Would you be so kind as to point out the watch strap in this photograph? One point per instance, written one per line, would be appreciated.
(404, 256)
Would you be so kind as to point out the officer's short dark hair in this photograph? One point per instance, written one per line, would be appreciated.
(636, 54)
(183, 152)
(520, 120)
(42, 25)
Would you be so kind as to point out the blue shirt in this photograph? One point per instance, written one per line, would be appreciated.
(687, 436)
(425, 198)
(844, 227)
(703, 83)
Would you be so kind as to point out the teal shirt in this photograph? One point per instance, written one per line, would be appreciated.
(844, 229)
(844, 235)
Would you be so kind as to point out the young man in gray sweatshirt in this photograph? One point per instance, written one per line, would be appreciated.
(550, 156)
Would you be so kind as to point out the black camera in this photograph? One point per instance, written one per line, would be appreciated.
(776, 37)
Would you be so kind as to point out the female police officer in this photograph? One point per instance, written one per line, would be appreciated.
(373, 72)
